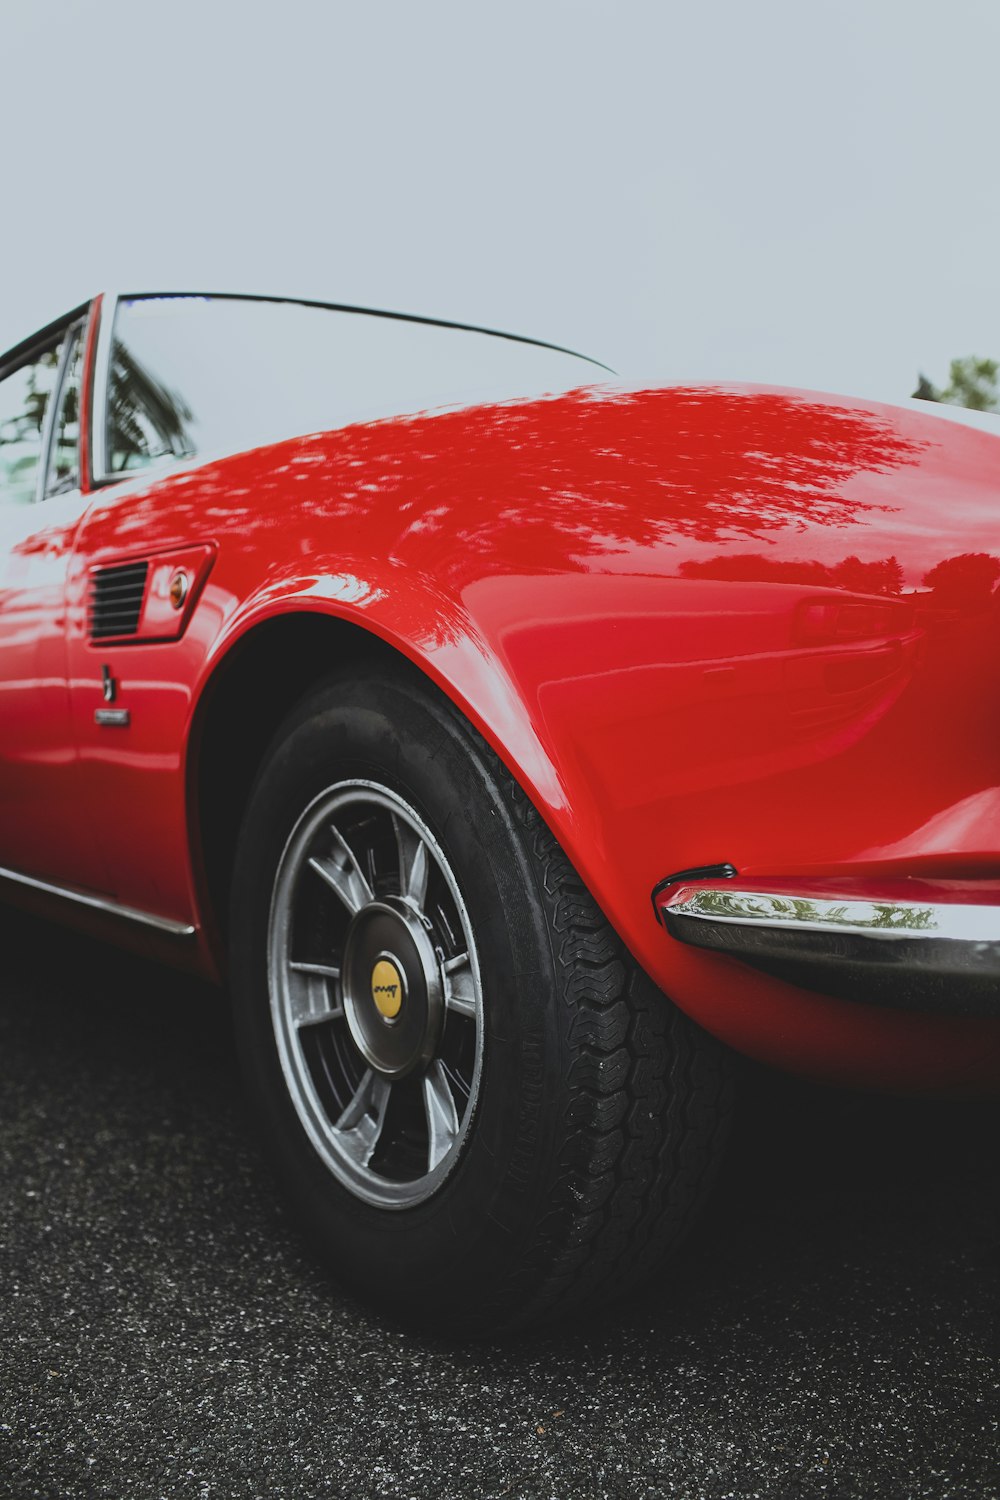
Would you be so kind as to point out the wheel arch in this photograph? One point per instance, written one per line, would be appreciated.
(254, 683)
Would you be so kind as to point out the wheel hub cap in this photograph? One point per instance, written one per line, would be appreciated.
(392, 988)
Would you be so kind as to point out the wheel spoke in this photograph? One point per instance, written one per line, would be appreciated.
(343, 874)
(360, 1125)
(314, 998)
(459, 986)
(327, 970)
(413, 863)
(442, 1119)
(320, 1016)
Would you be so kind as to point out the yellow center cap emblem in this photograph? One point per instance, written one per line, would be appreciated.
(387, 989)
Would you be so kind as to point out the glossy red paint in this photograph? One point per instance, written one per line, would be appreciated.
(699, 625)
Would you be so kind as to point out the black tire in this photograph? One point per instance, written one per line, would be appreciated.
(601, 1109)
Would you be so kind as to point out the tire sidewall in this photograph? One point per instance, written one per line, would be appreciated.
(459, 1242)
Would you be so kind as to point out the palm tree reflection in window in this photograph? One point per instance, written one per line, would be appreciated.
(146, 421)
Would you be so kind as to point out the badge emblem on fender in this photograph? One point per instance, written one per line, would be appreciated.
(110, 718)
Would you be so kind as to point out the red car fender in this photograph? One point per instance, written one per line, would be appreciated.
(694, 625)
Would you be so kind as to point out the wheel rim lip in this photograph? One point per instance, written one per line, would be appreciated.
(313, 1117)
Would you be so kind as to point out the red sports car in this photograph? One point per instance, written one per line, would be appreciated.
(513, 743)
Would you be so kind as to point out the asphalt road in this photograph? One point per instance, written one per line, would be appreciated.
(163, 1332)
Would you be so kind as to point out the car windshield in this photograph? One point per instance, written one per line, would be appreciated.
(191, 375)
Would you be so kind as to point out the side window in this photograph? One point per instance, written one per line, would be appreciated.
(24, 397)
(64, 462)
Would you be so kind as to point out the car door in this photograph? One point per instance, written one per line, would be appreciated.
(132, 659)
(44, 832)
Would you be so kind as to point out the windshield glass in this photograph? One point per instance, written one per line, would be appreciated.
(199, 375)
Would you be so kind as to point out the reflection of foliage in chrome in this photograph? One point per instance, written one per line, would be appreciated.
(145, 420)
(913, 918)
(754, 906)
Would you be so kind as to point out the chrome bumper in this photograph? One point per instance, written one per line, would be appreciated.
(912, 950)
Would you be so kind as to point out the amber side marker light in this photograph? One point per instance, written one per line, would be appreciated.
(178, 591)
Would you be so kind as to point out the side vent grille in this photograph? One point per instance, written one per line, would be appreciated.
(116, 599)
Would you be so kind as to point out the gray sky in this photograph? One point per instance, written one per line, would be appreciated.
(803, 193)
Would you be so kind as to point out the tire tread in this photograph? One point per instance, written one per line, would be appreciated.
(647, 1105)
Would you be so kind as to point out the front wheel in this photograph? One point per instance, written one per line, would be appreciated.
(479, 1105)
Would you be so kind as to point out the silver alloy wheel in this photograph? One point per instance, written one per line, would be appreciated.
(376, 996)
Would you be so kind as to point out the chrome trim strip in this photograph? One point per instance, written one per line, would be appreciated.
(99, 403)
(880, 920)
(101, 904)
(931, 956)
(684, 877)
(49, 419)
